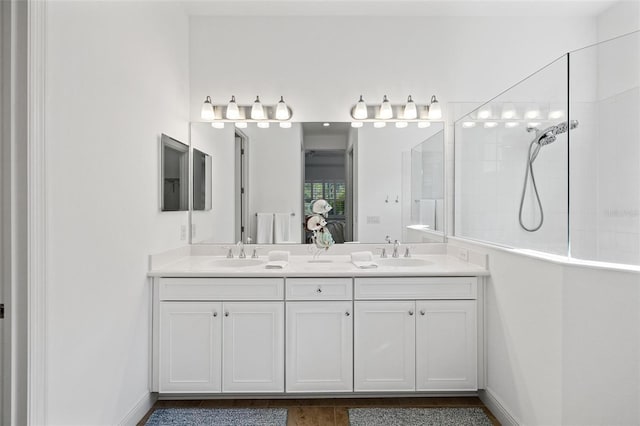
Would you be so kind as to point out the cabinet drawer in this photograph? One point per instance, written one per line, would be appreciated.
(319, 289)
(416, 288)
(221, 289)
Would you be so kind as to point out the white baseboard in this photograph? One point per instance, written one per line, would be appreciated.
(139, 410)
(496, 408)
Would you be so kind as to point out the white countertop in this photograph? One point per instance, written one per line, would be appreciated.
(327, 266)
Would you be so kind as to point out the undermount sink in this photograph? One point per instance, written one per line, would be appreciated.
(330, 265)
(403, 262)
(235, 263)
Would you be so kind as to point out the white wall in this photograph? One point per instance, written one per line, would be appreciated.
(116, 78)
(322, 64)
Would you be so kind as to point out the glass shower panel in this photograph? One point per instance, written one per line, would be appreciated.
(496, 146)
(605, 151)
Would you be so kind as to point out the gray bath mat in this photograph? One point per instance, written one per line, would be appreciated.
(218, 417)
(418, 417)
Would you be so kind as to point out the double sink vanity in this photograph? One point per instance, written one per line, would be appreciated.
(320, 325)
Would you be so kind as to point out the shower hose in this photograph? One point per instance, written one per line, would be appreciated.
(533, 153)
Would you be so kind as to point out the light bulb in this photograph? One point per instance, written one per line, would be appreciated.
(490, 124)
(257, 111)
(218, 124)
(360, 110)
(508, 111)
(410, 110)
(282, 111)
(435, 111)
(386, 112)
(241, 124)
(556, 114)
(233, 113)
(533, 125)
(511, 124)
(379, 124)
(207, 110)
(468, 124)
(326, 124)
(285, 124)
(484, 113)
(401, 124)
(532, 112)
(423, 124)
(263, 124)
(356, 124)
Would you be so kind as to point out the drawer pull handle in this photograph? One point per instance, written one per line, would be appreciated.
(422, 312)
(319, 290)
(226, 314)
(215, 314)
(410, 312)
(347, 313)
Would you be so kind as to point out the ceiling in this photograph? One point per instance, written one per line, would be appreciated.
(568, 8)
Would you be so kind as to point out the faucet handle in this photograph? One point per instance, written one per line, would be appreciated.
(229, 253)
(406, 252)
(254, 255)
(383, 252)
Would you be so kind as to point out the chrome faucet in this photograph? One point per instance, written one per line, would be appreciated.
(396, 245)
(242, 254)
(230, 254)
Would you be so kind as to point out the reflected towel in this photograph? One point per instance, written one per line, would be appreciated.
(428, 213)
(281, 227)
(265, 228)
(278, 255)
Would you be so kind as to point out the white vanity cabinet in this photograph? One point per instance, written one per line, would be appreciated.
(319, 330)
(220, 335)
(415, 334)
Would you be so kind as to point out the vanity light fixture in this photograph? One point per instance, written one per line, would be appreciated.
(556, 114)
(490, 124)
(263, 124)
(207, 109)
(468, 124)
(508, 111)
(285, 125)
(326, 124)
(401, 115)
(532, 112)
(379, 124)
(233, 112)
(484, 113)
(241, 115)
(511, 124)
(386, 112)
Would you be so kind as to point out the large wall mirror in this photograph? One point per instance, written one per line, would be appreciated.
(382, 182)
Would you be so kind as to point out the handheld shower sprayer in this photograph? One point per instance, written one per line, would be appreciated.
(543, 138)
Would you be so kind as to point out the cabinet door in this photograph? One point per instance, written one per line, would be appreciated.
(446, 345)
(319, 346)
(384, 358)
(190, 354)
(253, 347)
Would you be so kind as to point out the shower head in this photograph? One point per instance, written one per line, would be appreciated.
(548, 135)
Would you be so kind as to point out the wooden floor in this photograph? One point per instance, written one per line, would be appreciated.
(321, 412)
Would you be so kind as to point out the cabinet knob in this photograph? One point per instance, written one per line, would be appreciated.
(319, 290)
(422, 312)
(347, 313)
(215, 314)
(226, 314)
(410, 312)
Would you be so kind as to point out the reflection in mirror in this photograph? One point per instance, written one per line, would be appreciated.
(427, 190)
(201, 180)
(174, 174)
(364, 173)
